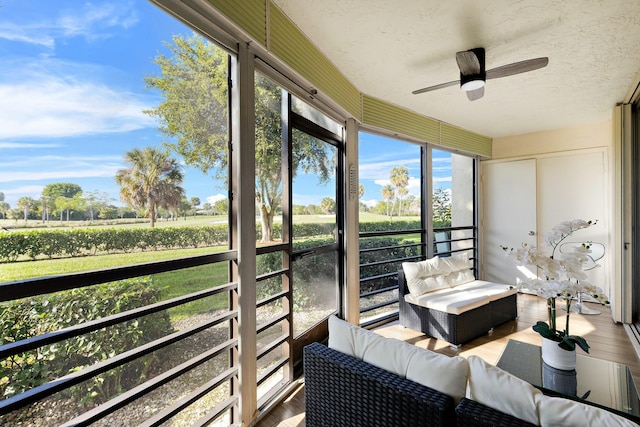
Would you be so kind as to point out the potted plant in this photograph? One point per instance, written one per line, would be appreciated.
(561, 276)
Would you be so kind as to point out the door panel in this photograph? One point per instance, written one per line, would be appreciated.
(508, 217)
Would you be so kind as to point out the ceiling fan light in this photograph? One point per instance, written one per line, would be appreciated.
(472, 84)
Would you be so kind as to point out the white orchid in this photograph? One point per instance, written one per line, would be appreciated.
(564, 278)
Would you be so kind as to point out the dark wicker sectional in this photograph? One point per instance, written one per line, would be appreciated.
(342, 391)
(456, 329)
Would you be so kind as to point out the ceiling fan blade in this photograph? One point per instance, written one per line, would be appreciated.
(475, 94)
(517, 68)
(436, 87)
(469, 61)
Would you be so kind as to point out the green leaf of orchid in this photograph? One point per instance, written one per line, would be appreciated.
(543, 329)
(569, 343)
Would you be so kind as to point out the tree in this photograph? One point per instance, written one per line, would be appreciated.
(194, 113)
(68, 204)
(388, 193)
(328, 205)
(51, 192)
(4, 206)
(360, 191)
(221, 207)
(399, 179)
(441, 205)
(152, 181)
(194, 202)
(25, 204)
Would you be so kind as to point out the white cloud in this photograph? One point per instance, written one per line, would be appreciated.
(413, 186)
(59, 167)
(29, 190)
(216, 198)
(381, 170)
(22, 145)
(369, 203)
(94, 172)
(443, 179)
(53, 107)
(91, 22)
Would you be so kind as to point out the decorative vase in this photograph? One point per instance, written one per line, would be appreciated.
(560, 380)
(557, 357)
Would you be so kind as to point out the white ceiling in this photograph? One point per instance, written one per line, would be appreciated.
(389, 48)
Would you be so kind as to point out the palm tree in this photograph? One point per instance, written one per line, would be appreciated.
(152, 181)
(400, 179)
(388, 193)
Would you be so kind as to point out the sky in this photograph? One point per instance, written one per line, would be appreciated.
(72, 95)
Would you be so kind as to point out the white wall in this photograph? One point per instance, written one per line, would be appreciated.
(574, 180)
(553, 141)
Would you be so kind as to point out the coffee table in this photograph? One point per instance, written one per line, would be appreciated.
(598, 381)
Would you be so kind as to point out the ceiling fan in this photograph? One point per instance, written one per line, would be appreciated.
(473, 74)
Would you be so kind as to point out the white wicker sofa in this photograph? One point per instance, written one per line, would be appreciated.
(441, 298)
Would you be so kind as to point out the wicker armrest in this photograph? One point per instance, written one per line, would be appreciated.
(470, 413)
(341, 390)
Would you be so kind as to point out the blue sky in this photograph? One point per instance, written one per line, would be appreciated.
(72, 95)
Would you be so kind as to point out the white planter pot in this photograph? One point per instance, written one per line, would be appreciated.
(557, 357)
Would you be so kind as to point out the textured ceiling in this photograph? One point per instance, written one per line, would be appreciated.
(389, 48)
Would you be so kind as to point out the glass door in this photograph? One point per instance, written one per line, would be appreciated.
(316, 221)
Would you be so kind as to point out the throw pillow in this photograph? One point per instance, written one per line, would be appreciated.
(446, 374)
(341, 336)
(559, 412)
(502, 391)
(389, 354)
(424, 276)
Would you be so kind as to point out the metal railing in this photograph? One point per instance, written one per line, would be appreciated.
(379, 265)
(12, 292)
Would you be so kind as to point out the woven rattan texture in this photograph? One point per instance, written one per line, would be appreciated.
(470, 413)
(341, 390)
(454, 328)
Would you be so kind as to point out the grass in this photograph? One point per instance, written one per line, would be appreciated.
(173, 284)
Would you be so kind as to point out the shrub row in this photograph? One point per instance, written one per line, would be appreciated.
(30, 317)
(81, 242)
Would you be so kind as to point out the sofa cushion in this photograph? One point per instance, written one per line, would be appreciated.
(403, 359)
(341, 336)
(449, 300)
(492, 290)
(559, 412)
(446, 374)
(350, 339)
(424, 276)
(389, 354)
(457, 269)
(502, 391)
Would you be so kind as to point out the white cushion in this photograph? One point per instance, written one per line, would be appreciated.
(446, 374)
(341, 336)
(389, 354)
(350, 339)
(455, 262)
(460, 277)
(502, 391)
(489, 289)
(424, 276)
(559, 412)
(449, 300)
(362, 340)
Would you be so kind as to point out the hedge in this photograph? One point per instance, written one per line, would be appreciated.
(36, 244)
(38, 315)
(81, 242)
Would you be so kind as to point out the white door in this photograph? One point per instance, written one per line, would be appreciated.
(508, 217)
